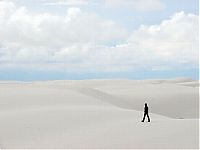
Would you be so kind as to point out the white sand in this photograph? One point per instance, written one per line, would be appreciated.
(99, 114)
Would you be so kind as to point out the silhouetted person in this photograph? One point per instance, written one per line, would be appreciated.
(146, 113)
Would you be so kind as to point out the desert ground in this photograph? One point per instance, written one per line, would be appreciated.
(99, 114)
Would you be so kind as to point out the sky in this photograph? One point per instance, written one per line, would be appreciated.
(95, 39)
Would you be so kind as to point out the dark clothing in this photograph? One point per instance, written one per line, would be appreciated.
(146, 110)
(146, 113)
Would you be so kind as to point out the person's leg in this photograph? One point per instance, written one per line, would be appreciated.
(148, 117)
(144, 117)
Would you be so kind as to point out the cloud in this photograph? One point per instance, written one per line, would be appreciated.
(174, 41)
(67, 2)
(140, 5)
(80, 41)
(40, 38)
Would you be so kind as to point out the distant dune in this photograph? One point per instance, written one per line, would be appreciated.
(99, 114)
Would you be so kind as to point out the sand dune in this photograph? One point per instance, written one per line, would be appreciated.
(99, 114)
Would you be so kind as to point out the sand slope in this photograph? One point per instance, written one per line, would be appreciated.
(99, 114)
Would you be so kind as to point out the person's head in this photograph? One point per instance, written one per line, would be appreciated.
(145, 104)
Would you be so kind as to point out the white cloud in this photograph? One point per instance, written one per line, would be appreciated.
(79, 41)
(26, 37)
(67, 2)
(141, 5)
(173, 41)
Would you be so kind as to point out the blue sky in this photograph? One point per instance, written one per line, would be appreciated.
(88, 39)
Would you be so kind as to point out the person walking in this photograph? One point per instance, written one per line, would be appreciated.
(146, 112)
